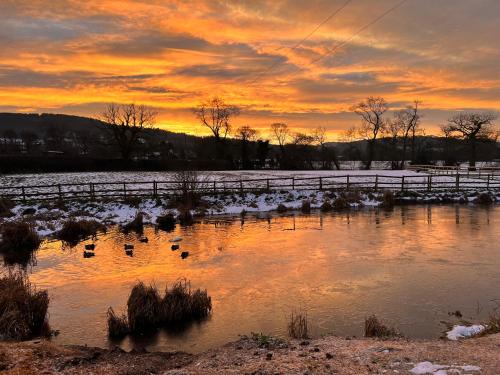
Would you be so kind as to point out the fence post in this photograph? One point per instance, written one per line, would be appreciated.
(215, 188)
(347, 182)
(268, 187)
(155, 191)
(458, 182)
(293, 183)
(488, 182)
(24, 194)
(320, 183)
(60, 192)
(91, 191)
(376, 182)
(124, 190)
(241, 187)
(429, 183)
(402, 183)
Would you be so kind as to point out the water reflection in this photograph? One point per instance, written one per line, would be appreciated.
(410, 266)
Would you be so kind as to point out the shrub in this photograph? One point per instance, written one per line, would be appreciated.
(181, 305)
(143, 308)
(388, 199)
(493, 325)
(298, 327)
(132, 201)
(326, 206)
(281, 208)
(484, 199)
(306, 206)
(340, 203)
(23, 309)
(5, 207)
(74, 231)
(136, 225)
(166, 222)
(19, 236)
(374, 328)
(117, 325)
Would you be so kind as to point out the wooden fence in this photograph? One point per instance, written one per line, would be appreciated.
(478, 172)
(155, 189)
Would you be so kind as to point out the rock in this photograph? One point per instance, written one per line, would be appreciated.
(329, 356)
(269, 356)
(29, 211)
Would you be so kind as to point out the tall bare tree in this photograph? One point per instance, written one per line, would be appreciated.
(471, 127)
(125, 123)
(405, 123)
(281, 133)
(245, 134)
(216, 115)
(371, 112)
(320, 138)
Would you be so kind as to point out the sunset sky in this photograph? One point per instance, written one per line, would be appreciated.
(74, 56)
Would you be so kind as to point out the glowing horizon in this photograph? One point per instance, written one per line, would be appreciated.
(70, 57)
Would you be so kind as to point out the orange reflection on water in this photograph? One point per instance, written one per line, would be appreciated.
(410, 266)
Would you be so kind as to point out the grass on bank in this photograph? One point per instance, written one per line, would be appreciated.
(136, 225)
(148, 310)
(166, 222)
(298, 327)
(74, 231)
(375, 328)
(6, 205)
(18, 236)
(23, 309)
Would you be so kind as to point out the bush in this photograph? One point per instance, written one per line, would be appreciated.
(5, 207)
(340, 203)
(484, 199)
(143, 308)
(23, 310)
(147, 310)
(74, 231)
(133, 201)
(374, 328)
(326, 206)
(117, 325)
(166, 222)
(281, 208)
(136, 225)
(388, 199)
(19, 236)
(298, 327)
(306, 206)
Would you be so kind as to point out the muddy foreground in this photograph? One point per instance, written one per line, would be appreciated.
(261, 355)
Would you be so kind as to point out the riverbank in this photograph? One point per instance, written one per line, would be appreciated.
(263, 355)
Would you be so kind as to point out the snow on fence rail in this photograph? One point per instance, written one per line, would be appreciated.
(95, 190)
(478, 172)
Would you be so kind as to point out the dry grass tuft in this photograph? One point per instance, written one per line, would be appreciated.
(5, 207)
(74, 231)
(340, 203)
(305, 208)
(147, 310)
(298, 326)
(185, 217)
(326, 206)
(166, 222)
(281, 208)
(19, 236)
(136, 225)
(117, 325)
(23, 309)
(484, 199)
(493, 325)
(388, 199)
(374, 328)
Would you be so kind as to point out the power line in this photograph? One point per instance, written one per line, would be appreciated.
(297, 45)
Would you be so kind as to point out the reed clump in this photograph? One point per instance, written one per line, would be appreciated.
(23, 309)
(375, 328)
(340, 203)
(388, 199)
(281, 208)
(136, 225)
(74, 231)
(147, 310)
(484, 199)
(19, 236)
(166, 222)
(305, 208)
(185, 217)
(298, 326)
(326, 206)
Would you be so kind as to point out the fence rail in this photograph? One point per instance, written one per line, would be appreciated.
(479, 172)
(155, 189)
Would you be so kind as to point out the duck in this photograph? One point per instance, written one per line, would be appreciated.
(128, 246)
(88, 254)
(90, 247)
(144, 240)
(175, 247)
(129, 252)
(184, 254)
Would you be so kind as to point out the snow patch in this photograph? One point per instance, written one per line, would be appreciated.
(461, 332)
(434, 369)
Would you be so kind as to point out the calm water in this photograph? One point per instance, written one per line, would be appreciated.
(410, 266)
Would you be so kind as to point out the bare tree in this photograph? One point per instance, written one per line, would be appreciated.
(281, 134)
(320, 138)
(404, 124)
(245, 134)
(216, 115)
(125, 123)
(471, 127)
(372, 123)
